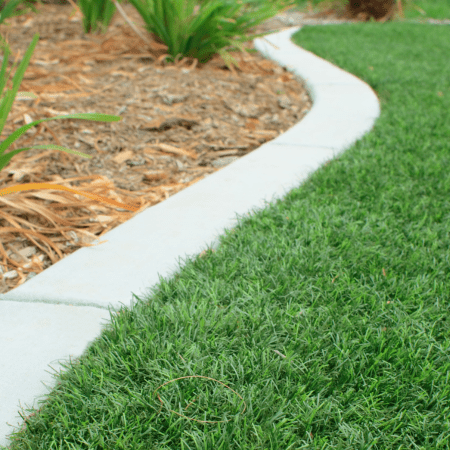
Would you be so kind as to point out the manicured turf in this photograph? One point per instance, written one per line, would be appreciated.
(327, 312)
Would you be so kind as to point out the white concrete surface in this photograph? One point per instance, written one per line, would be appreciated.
(57, 313)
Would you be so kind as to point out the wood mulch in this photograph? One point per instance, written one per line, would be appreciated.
(180, 122)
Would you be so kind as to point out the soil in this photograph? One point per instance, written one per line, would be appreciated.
(181, 122)
(378, 9)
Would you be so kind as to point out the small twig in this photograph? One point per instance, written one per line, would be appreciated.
(122, 12)
(400, 8)
(189, 404)
(75, 5)
(2, 279)
(278, 353)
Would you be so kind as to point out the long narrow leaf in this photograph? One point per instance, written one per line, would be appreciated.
(3, 78)
(108, 14)
(13, 67)
(95, 13)
(85, 116)
(8, 9)
(5, 159)
(17, 80)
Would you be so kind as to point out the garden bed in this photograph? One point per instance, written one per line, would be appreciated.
(180, 122)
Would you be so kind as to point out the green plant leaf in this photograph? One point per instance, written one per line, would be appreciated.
(8, 9)
(17, 80)
(96, 12)
(19, 132)
(5, 159)
(212, 27)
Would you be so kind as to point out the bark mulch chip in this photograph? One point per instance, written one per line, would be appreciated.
(180, 122)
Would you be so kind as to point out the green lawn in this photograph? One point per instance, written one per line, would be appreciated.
(327, 312)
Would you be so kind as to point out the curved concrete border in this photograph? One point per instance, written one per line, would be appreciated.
(60, 311)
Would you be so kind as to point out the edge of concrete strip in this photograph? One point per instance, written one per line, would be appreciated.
(344, 109)
(58, 313)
